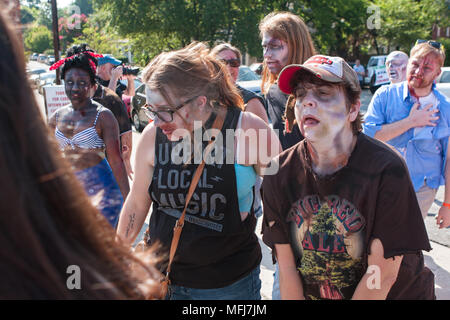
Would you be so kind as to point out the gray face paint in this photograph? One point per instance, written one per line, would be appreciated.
(396, 63)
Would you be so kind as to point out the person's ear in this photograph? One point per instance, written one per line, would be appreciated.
(354, 110)
(201, 102)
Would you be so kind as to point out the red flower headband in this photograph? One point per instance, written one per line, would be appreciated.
(59, 63)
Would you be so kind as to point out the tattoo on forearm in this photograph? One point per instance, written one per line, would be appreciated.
(132, 218)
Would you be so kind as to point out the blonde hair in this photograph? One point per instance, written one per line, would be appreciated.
(190, 72)
(291, 28)
(422, 50)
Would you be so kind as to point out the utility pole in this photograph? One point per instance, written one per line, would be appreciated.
(55, 37)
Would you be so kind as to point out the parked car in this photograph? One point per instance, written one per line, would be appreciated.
(256, 68)
(34, 56)
(139, 117)
(33, 75)
(44, 79)
(249, 79)
(443, 82)
(50, 60)
(42, 58)
(376, 74)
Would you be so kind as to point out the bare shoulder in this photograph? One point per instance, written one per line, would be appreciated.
(256, 107)
(57, 114)
(252, 121)
(146, 145)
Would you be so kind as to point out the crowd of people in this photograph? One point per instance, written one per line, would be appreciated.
(339, 192)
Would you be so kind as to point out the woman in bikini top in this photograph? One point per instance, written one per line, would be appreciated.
(84, 129)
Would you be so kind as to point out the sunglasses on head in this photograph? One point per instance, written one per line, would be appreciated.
(432, 43)
(235, 63)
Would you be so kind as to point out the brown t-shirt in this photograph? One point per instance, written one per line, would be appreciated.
(330, 221)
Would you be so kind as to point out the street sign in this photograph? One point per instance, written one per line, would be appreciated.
(54, 98)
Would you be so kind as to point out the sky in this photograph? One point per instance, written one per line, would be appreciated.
(63, 3)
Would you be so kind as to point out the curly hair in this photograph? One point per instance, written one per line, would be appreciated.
(80, 60)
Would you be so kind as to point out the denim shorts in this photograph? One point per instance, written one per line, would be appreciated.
(247, 288)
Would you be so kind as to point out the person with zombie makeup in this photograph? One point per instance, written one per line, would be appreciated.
(414, 118)
(189, 92)
(88, 134)
(342, 204)
(396, 63)
(285, 40)
(109, 99)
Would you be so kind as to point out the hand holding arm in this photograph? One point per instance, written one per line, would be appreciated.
(381, 274)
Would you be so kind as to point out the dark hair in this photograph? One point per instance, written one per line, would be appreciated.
(47, 222)
(351, 95)
(80, 60)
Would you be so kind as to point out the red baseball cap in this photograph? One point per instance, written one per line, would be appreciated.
(329, 69)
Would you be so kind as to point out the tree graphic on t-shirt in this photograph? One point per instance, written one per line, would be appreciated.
(324, 221)
(329, 271)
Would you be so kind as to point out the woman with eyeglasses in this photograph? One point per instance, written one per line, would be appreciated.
(88, 134)
(218, 254)
(231, 56)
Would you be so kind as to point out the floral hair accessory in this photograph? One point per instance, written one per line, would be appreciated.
(61, 62)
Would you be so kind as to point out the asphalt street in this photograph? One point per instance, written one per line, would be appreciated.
(438, 259)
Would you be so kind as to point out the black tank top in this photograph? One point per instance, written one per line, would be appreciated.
(276, 104)
(248, 95)
(216, 248)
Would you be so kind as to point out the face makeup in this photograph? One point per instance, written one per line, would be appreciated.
(422, 72)
(396, 69)
(78, 87)
(275, 52)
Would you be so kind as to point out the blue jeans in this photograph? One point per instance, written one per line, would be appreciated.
(248, 288)
(276, 295)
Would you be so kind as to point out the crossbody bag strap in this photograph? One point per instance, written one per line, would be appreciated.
(218, 123)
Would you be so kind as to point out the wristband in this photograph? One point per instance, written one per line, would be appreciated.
(446, 205)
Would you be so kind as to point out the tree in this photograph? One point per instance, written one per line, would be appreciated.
(85, 6)
(38, 39)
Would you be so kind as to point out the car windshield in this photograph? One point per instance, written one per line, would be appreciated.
(445, 78)
(48, 76)
(372, 63)
(246, 74)
(37, 71)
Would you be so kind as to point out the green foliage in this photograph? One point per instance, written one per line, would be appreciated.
(446, 43)
(38, 39)
(28, 15)
(99, 35)
(337, 27)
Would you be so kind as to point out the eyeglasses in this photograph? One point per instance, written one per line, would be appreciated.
(235, 63)
(432, 43)
(165, 115)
